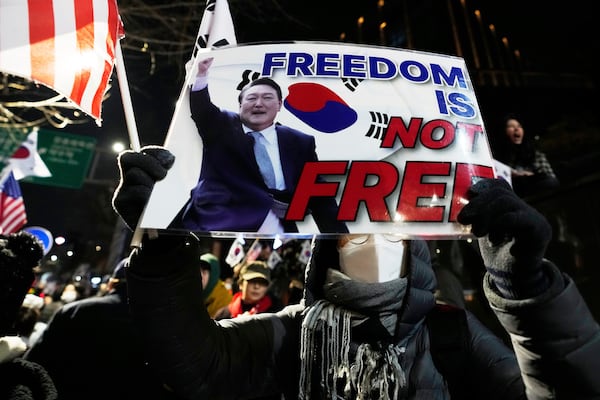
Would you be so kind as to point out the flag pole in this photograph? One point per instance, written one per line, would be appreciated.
(134, 140)
(126, 99)
(246, 255)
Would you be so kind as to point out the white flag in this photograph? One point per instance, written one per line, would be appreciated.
(274, 259)
(26, 160)
(503, 171)
(305, 252)
(236, 253)
(216, 28)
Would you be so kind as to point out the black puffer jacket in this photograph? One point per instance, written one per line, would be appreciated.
(249, 357)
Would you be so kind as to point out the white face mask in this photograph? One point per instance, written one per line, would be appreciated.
(68, 297)
(372, 258)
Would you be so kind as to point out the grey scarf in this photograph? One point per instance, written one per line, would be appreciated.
(376, 371)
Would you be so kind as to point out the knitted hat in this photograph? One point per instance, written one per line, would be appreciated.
(256, 269)
(20, 253)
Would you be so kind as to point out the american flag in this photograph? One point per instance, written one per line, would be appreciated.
(68, 45)
(12, 208)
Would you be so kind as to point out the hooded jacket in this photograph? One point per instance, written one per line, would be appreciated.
(260, 355)
(215, 294)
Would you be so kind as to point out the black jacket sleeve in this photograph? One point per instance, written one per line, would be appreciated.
(555, 337)
(195, 355)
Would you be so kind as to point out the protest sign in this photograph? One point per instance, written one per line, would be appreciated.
(399, 139)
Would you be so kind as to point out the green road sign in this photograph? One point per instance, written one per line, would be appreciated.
(10, 140)
(66, 155)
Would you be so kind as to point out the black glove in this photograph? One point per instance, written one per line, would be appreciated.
(496, 211)
(139, 171)
(20, 253)
(164, 254)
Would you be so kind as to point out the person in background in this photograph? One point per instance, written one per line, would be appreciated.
(215, 294)
(92, 350)
(26, 321)
(364, 328)
(71, 292)
(52, 302)
(252, 298)
(36, 303)
(531, 172)
(20, 379)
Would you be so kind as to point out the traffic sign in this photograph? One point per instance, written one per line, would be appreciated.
(66, 155)
(43, 235)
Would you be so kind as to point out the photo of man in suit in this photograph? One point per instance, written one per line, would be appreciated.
(250, 166)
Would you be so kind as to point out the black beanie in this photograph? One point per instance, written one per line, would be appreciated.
(20, 253)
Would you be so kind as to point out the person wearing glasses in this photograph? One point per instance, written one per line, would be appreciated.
(253, 297)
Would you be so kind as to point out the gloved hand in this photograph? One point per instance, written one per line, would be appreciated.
(517, 237)
(164, 254)
(139, 171)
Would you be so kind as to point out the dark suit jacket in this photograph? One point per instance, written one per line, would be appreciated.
(231, 194)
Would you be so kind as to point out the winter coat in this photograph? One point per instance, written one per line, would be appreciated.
(259, 355)
(218, 298)
(91, 351)
(215, 294)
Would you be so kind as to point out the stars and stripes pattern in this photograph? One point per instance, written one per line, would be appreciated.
(12, 209)
(67, 45)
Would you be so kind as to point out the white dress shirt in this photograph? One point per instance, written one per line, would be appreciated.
(271, 224)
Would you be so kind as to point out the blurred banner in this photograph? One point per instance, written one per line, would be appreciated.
(399, 139)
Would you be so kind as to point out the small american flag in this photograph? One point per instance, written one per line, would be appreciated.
(68, 45)
(12, 208)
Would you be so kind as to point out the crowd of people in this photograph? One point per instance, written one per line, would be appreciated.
(168, 326)
(367, 316)
(368, 324)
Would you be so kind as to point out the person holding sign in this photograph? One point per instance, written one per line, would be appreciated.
(250, 166)
(368, 326)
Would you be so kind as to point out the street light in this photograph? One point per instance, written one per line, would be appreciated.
(118, 147)
(382, 33)
(360, 22)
